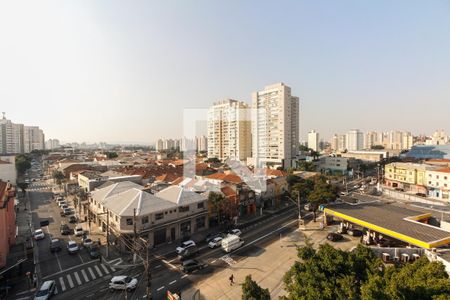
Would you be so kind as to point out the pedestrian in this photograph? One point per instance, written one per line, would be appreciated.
(231, 279)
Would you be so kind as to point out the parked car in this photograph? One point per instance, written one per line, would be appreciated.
(72, 219)
(55, 245)
(72, 247)
(79, 230)
(308, 207)
(334, 237)
(94, 250)
(123, 283)
(46, 290)
(400, 189)
(62, 202)
(184, 245)
(421, 194)
(191, 265)
(68, 211)
(64, 206)
(87, 242)
(39, 234)
(64, 229)
(216, 242)
(354, 232)
(235, 232)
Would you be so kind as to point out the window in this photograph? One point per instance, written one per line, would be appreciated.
(200, 222)
(200, 205)
(145, 220)
(429, 182)
(183, 209)
(117, 219)
(437, 176)
(129, 221)
(159, 216)
(445, 177)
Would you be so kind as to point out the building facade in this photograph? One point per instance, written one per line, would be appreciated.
(229, 130)
(7, 220)
(355, 140)
(275, 126)
(313, 140)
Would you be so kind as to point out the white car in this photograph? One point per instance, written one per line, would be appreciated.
(185, 245)
(235, 232)
(46, 290)
(216, 242)
(79, 230)
(123, 283)
(87, 242)
(72, 247)
(39, 234)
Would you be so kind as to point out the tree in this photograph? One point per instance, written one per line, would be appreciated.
(307, 166)
(217, 201)
(213, 160)
(111, 155)
(252, 291)
(323, 192)
(58, 176)
(329, 273)
(23, 186)
(23, 163)
(303, 187)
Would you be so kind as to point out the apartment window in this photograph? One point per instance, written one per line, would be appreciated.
(117, 219)
(159, 216)
(445, 185)
(129, 221)
(445, 177)
(183, 209)
(145, 220)
(200, 205)
(429, 182)
(437, 176)
(429, 175)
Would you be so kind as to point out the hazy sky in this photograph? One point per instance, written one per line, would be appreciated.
(125, 70)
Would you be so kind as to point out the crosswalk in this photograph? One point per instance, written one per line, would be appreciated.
(79, 277)
(39, 186)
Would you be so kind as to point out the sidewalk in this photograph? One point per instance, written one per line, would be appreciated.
(267, 265)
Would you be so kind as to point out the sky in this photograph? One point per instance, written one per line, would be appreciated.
(121, 71)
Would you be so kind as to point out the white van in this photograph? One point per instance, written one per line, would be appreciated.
(231, 242)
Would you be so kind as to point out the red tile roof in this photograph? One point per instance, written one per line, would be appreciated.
(2, 162)
(443, 170)
(228, 191)
(217, 176)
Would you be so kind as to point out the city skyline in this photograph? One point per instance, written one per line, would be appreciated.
(371, 66)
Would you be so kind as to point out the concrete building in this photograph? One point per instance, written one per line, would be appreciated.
(429, 152)
(168, 215)
(334, 143)
(275, 126)
(202, 143)
(438, 183)
(410, 177)
(89, 180)
(7, 220)
(8, 170)
(333, 164)
(371, 139)
(229, 130)
(342, 142)
(159, 146)
(439, 137)
(367, 156)
(52, 144)
(34, 139)
(355, 140)
(313, 140)
(11, 137)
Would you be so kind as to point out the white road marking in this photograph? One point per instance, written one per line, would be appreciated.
(214, 261)
(172, 282)
(77, 278)
(169, 264)
(84, 275)
(68, 269)
(61, 282)
(158, 266)
(56, 289)
(98, 271)
(92, 273)
(184, 276)
(57, 260)
(69, 279)
(158, 289)
(82, 261)
(104, 268)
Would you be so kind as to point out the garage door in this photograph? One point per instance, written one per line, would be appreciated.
(160, 236)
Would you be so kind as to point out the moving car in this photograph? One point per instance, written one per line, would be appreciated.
(79, 230)
(46, 290)
(334, 237)
(55, 245)
(184, 245)
(94, 250)
(231, 242)
(212, 236)
(191, 265)
(72, 247)
(39, 234)
(216, 242)
(188, 252)
(123, 283)
(87, 242)
(235, 232)
(64, 229)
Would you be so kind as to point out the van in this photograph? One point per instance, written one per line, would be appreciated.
(231, 242)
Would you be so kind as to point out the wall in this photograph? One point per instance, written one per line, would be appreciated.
(8, 171)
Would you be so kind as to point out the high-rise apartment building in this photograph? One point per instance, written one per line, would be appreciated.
(313, 140)
(334, 143)
(342, 142)
(53, 144)
(11, 137)
(355, 140)
(371, 139)
(202, 143)
(275, 126)
(229, 130)
(159, 146)
(34, 138)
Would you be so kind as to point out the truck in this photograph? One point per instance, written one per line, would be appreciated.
(231, 242)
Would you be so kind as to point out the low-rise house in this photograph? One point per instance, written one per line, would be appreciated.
(410, 177)
(165, 216)
(438, 183)
(7, 220)
(89, 180)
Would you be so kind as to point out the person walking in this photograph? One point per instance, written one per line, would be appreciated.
(231, 279)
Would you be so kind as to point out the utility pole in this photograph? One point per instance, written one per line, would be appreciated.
(299, 210)
(134, 236)
(149, 273)
(107, 233)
